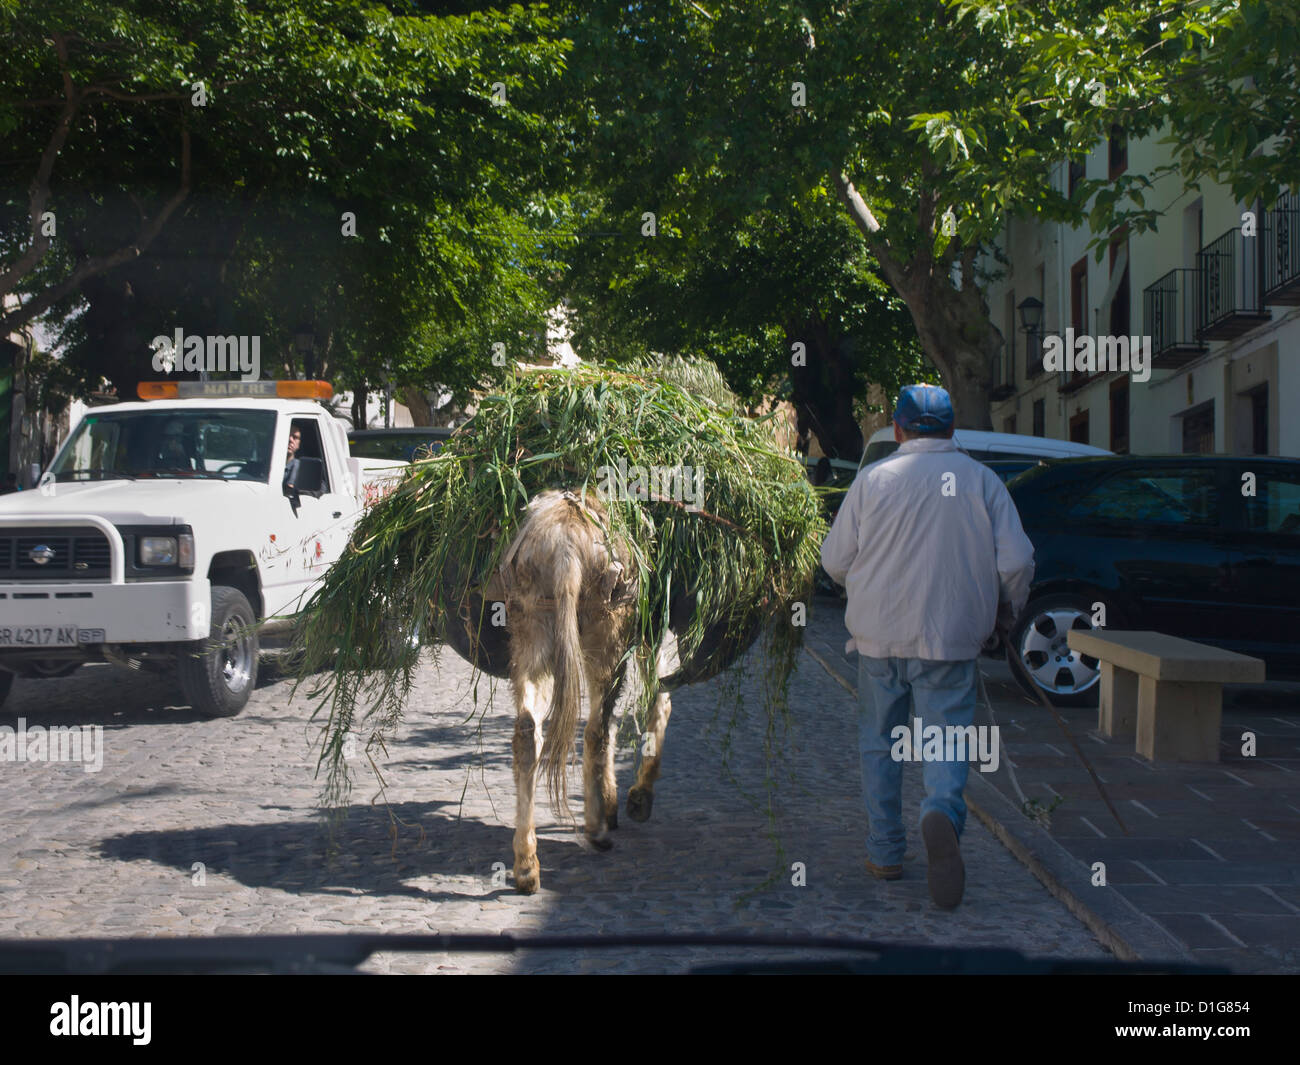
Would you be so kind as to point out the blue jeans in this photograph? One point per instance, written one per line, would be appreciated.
(941, 693)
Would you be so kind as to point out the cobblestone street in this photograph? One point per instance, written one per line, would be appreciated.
(113, 853)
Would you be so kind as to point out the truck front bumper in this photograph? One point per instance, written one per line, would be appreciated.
(139, 612)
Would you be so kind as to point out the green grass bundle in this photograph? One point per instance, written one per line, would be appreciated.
(739, 543)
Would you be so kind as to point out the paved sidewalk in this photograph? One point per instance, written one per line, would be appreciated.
(1210, 867)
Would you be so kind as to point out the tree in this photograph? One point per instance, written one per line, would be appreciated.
(1217, 80)
(349, 172)
(785, 300)
(932, 123)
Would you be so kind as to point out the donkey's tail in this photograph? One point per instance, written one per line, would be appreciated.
(566, 705)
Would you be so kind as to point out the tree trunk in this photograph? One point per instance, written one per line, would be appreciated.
(359, 396)
(824, 389)
(418, 404)
(953, 323)
(960, 339)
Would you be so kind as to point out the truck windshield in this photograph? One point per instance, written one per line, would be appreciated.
(230, 445)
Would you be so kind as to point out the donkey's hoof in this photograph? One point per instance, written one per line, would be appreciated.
(639, 803)
(601, 842)
(528, 878)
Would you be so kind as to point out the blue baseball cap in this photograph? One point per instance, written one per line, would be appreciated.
(923, 409)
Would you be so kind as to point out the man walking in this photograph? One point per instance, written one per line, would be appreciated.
(930, 547)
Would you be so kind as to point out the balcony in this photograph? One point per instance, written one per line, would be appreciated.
(1281, 248)
(1231, 300)
(1171, 311)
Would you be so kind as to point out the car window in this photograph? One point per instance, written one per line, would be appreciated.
(1152, 497)
(310, 448)
(1006, 471)
(168, 441)
(399, 447)
(1275, 505)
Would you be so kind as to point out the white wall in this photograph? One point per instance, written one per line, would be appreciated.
(1267, 352)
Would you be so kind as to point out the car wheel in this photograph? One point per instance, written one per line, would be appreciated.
(6, 682)
(219, 678)
(1044, 661)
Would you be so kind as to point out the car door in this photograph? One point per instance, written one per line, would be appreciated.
(317, 523)
(324, 518)
(1158, 531)
(1266, 563)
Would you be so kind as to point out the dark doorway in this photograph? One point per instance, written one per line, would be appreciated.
(1198, 430)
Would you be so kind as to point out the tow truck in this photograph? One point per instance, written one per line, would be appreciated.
(176, 533)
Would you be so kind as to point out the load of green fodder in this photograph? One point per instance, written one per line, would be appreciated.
(739, 554)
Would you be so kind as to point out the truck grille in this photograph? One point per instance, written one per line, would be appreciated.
(70, 553)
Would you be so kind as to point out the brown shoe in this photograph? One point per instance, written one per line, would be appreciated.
(947, 874)
(884, 872)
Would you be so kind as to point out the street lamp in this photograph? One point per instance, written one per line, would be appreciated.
(1031, 315)
(1031, 323)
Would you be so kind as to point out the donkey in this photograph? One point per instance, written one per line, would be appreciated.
(570, 609)
(570, 606)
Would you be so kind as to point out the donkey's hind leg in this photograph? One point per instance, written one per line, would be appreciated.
(600, 790)
(641, 796)
(532, 697)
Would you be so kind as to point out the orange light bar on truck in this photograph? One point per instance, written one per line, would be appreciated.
(234, 389)
(304, 389)
(156, 390)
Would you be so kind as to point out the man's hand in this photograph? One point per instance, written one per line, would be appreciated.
(1001, 629)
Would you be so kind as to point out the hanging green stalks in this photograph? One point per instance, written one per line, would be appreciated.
(729, 562)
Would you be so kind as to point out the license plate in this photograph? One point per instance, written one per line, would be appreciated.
(48, 636)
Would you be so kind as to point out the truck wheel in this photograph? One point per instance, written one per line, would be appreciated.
(52, 669)
(219, 678)
(6, 682)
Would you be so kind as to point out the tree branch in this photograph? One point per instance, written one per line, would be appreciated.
(894, 271)
(39, 190)
(98, 264)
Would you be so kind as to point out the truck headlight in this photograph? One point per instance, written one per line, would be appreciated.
(167, 550)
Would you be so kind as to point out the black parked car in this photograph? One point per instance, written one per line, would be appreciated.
(1206, 547)
(1009, 469)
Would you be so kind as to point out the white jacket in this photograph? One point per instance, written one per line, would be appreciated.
(927, 542)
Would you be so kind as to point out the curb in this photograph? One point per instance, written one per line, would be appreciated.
(1119, 926)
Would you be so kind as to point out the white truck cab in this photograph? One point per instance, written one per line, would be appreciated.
(173, 533)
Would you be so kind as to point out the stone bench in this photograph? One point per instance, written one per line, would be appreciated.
(1167, 690)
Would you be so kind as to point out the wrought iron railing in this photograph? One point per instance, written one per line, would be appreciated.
(1229, 281)
(1281, 248)
(1172, 313)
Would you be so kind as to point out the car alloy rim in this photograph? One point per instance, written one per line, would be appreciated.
(1055, 666)
(236, 654)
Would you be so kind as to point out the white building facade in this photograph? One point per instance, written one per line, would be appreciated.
(1213, 294)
